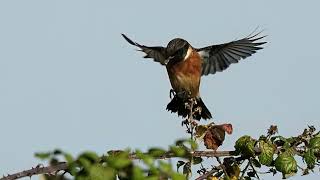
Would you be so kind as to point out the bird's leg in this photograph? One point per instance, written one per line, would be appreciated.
(172, 93)
(187, 124)
(183, 94)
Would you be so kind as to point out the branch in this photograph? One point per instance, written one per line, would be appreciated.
(37, 170)
(209, 173)
(62, 166)
(194, 154)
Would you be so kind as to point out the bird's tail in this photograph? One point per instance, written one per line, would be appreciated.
(181, 106)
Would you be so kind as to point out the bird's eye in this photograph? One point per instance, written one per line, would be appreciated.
(178, 52)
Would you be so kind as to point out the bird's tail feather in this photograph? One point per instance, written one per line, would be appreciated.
(180, 106)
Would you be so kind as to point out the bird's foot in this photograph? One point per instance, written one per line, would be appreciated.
(185, 122)
(172, 93)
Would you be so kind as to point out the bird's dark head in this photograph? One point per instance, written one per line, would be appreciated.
(177, 50)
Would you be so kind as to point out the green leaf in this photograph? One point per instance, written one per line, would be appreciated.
(152, 177)
(72, 165)
(262, 138)
(57, 152)
(241, 142)
(193, 144)
(72, 168)
(137, 173)
(147, 159)
(187, 168)
(200, 131)
(181, 142)
(43, 155)
(256, 163)
(99, 172)
(90, 156)
(119, 161)
(249, 149)
(179, 164)
(279, 139)
(85, 163)
(68, 157)
(178, 176)
(289, 151)
(197, 160)
(286, 164)
(165, 167)
(184, 142)
(267, 152)
(315, 143)
(245, 145)
(179, 151)
(310, 158)
(156, 152)
(54, 161)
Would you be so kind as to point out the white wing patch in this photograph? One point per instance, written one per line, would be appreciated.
(204, 54)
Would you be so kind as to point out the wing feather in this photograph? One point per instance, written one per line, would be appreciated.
(157, 53)
(217, 58)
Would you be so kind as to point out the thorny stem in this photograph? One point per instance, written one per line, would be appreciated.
(223, 167)
(253, 169)
(209, 173)
(190, 119)
(245, 170)
(37, 170)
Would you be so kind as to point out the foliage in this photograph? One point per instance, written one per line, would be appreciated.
(271, 151)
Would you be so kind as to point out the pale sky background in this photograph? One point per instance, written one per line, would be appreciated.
(70, 81)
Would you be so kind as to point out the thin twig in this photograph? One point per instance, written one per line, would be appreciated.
(253, 169)
(223, 167)
(244, 171)
(190, 119)
(209, 173)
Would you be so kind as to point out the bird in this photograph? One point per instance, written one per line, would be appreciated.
(186, 65)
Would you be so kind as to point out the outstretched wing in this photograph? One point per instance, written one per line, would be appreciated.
(158, 53)
(217, 58)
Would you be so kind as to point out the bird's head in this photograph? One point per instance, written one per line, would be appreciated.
(177, 50)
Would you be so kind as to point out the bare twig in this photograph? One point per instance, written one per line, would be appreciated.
(190, 117)
(244, 171)
(253, 169)
(190, 120)
(209, 173)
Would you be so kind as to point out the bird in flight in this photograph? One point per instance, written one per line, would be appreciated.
(186, 65)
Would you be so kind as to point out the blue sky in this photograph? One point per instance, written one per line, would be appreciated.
(70, 81)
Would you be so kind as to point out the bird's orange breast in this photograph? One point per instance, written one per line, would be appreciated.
(185, 75)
